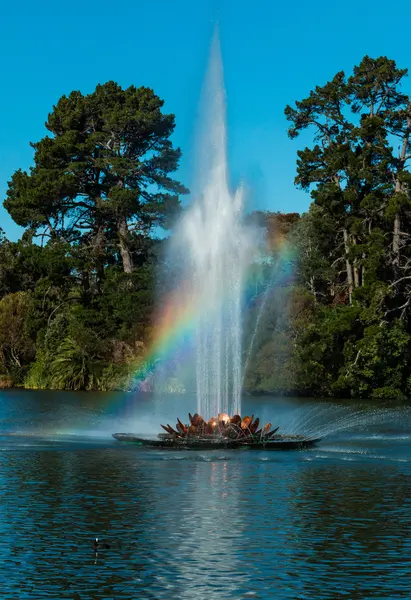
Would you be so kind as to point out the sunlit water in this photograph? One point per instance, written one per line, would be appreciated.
(332, 522)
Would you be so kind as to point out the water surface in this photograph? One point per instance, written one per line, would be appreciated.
(332, 522)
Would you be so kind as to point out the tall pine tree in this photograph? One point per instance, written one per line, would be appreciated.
(103, 174)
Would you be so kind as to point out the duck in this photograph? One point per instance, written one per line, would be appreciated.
(97, 545)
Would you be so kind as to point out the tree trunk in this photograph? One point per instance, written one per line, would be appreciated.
(356, 269)
(85, 280)
(312, 288)
(399, 188)
(98, 245)
(356, 275)
(123, 245)
(396, 241)
(349, 266)
(396, 234)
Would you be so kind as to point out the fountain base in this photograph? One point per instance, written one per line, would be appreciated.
(220, 432)
(282, 443)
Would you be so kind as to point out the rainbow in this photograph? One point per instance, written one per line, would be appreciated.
(175, 327)
(176, 322)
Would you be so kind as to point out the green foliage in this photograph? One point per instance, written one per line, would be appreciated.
(378, 364)
(116, 377)
(102, 176)
(16, 349)
(268, 322)
(128, 301)
(77, 292)
(100, 186)
(354, 243)
(38, 376)
(73, 368)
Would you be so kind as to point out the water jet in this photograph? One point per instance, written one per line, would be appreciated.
(212, 248)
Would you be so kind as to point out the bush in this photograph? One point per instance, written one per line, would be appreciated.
(6, 381)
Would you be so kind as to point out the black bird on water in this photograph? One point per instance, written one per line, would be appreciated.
(98, 545)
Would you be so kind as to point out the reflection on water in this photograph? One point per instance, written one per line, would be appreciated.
(333, 522)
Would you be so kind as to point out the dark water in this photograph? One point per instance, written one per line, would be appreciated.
(333, 522)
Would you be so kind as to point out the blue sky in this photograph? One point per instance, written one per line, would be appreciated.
(273, 53)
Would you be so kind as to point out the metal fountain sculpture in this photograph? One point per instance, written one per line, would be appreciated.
(222, 431)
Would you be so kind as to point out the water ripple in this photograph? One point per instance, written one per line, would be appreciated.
(201, 526)
(328, 523)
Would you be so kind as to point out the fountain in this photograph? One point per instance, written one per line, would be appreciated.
(217, 245)
(222, 431)
(214, 248)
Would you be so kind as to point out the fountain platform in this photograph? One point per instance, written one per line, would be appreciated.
(222, 432)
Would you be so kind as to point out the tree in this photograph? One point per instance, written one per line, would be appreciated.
(354, 243)
(102, 178)
(355, 175)
(16, 348)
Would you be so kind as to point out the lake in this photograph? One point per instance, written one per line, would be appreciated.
(331, 522)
